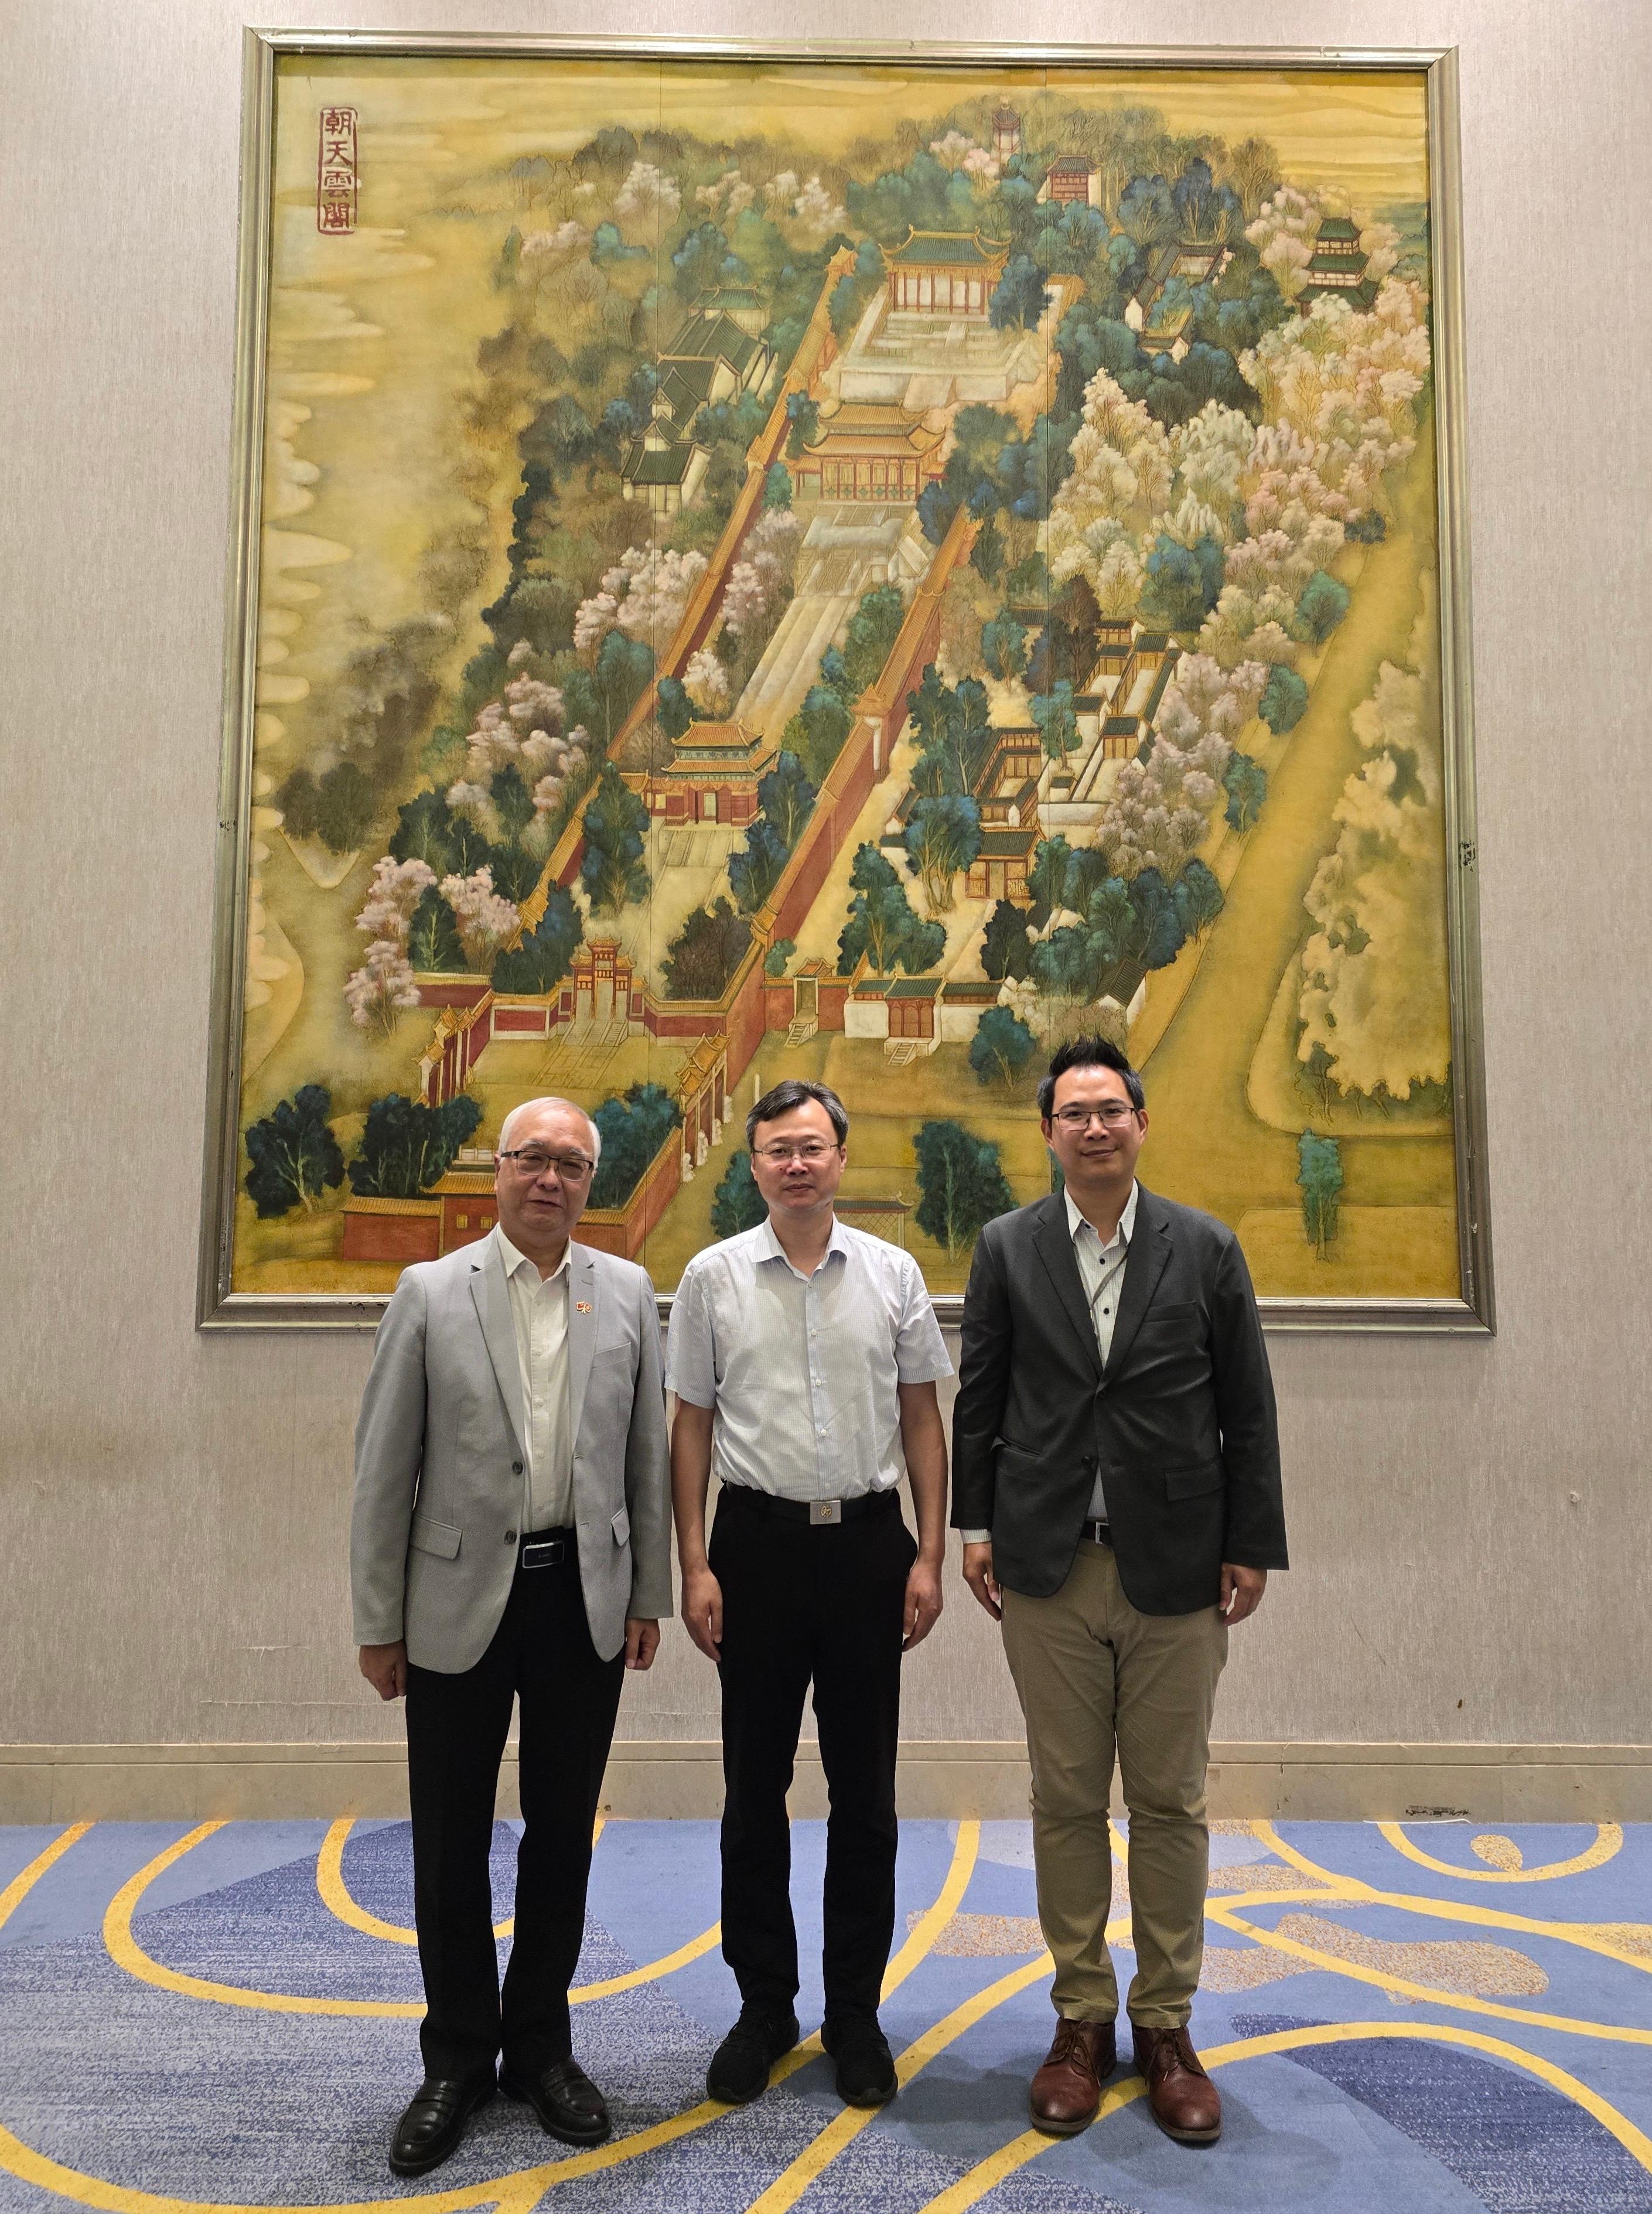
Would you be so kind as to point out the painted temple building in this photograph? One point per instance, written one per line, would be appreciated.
(869, 450)
(713, 357)
(713, 776)
(943, 272)
(1336, 271)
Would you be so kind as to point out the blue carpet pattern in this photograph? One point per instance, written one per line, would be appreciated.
(1430, 2017)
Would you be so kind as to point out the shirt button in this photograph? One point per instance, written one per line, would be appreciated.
(509, 1537)
(515, 1468)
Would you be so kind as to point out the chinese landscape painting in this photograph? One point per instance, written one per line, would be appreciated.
(773, 568)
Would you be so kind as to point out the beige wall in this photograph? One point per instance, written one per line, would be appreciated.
(1469, 1519)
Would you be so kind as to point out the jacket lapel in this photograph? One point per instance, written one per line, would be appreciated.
(1149, 1252)
(582, 1331)
(493, 1296)
(1055, 1251)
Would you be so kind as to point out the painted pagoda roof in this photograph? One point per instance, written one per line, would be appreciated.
(686, 381)
(867, 427)
(645, 465)
(947, 249)
(708, 332)
(730, 745)
(1338, 227)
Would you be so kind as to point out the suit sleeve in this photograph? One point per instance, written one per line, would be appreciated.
(983, 1386)
(648, 1472)
(1255, 1536)
(389, 1452)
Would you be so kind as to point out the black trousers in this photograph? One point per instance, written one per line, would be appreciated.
(541, 1653)
(802, 1602)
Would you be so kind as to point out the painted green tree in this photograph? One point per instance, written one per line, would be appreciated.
(1319, 1173)
(294, 1154)
(1001, 1047)
(737, 1204)
(960, 1184)
(883, 924)
(633, 1126)
(407, 1146)
(616, 823)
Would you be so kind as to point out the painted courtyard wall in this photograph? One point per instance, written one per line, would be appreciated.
(1467, 1517)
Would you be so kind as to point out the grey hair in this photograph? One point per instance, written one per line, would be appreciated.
(526, 1106)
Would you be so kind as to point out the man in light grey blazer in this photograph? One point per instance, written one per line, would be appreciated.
(511, 1540)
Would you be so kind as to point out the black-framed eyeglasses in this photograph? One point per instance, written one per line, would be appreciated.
(1113, 1113)
(534, 1160)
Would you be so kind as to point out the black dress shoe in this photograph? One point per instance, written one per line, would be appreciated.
(739, 2070)
(568, 2104)
(866, 2066)
(435, 2119)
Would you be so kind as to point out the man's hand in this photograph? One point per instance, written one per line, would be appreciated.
(978, 1575)
(385, 1667)
(702, 1611)
(641, 1640)
(923, 1603)
(1241, 1591)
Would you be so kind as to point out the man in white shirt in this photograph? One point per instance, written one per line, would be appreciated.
(511, 1540)
(805, 1356)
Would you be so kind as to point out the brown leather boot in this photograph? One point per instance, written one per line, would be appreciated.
(1185, 2103)
(1066, 2090)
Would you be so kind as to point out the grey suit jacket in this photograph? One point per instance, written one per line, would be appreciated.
(442, 1443)
(1179, 1424)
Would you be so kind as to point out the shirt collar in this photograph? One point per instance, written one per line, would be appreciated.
(1075, 1221)
(770, 1248)
(513, 1260)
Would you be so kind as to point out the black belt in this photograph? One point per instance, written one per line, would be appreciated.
(820, 1514)
(1099, 1533)
(547, 1549)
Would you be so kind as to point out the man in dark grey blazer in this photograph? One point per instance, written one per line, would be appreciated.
(511, 1541)
(1115, 1476)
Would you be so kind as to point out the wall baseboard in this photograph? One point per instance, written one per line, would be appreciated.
(47, 1784)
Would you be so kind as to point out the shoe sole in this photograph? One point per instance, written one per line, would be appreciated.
(1047, 2126)
(519, 2097)
(424, 2167)
(869, 2100)
(1189, 2137)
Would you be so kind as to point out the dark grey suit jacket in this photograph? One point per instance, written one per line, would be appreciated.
(1181, 1423)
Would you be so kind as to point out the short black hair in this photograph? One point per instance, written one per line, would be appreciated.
(1091, 1052)
(797, 1091)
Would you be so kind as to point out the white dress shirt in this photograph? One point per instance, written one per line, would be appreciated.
(1101, 1271)
(803, 1370)
(539, 1310)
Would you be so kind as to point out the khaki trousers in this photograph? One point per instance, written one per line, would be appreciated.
(1092, 1674)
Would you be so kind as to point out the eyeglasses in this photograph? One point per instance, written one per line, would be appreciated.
(1113, 1113)
(807, 1150)
(533, 1161)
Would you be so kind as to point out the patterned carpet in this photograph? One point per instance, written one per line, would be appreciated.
(1410, 2019)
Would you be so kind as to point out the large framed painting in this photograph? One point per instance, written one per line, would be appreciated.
(861, 564)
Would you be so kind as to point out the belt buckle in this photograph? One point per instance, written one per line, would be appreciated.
(823, 1511)
(547, 1554)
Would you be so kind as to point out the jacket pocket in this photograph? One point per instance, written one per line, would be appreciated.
(622, 1528)
(1193, 1483)
(441, 1538)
